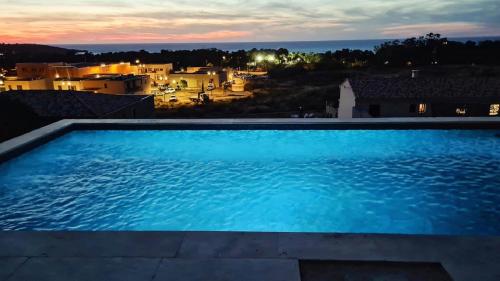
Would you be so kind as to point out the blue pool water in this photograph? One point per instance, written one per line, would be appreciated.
(418, 182)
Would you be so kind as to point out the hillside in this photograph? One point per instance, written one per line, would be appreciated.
(33, 49)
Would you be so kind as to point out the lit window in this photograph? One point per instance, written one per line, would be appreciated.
(422, 108)
(461, 111)
(494, 109)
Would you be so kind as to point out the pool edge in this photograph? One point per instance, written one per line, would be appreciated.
(463, 257)
(16, 146)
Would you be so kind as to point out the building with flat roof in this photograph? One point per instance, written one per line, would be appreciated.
(106, 84)
(196, 77)
(158, 73)
(419, 97)
(11, 84)
(112, 78)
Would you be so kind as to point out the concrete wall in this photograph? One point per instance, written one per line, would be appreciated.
(62, 70)
(32, 70)
(195, 80)
(135, 85)
(390, 108)
(158, 73)
(38, 84)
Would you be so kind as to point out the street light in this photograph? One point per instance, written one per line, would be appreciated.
(137, 61)
(259, 58)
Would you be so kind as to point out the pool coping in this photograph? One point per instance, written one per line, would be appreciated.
(266, 256)
(16, 146)
(246, 253)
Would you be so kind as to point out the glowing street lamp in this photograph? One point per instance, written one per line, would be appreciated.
(259, 58)
(137, 61)
(103, 65)
(57, 75)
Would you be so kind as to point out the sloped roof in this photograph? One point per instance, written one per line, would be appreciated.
(72, 104)
(427, 88)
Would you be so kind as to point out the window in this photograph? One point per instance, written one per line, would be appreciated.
(59, 88)
(494, 109)
(461, 111)
(374, 110)
(413, 108)
(422, 108)
(19, 87)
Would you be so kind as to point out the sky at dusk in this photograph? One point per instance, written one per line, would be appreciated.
(131, 21)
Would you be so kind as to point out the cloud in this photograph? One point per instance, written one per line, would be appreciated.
(89, 21)
(448, 29)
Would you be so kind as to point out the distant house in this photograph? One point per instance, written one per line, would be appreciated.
(52, 104)
(158, 73)
(419, 97)
(198, 77)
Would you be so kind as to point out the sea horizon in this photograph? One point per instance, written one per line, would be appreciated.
(318, 46)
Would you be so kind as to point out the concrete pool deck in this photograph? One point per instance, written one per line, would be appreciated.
(122, 255)
(228, 255)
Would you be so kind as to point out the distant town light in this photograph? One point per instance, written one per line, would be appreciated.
(259, 58)
(122, 62)
(103, 65)
(1, 82)
(137, 61)
(57, 75)
(98, 76)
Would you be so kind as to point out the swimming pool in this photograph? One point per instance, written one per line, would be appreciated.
(354, 181)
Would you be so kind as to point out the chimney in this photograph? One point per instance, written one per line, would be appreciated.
(414, 73)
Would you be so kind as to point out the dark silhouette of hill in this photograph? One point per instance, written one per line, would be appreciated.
(33, 49)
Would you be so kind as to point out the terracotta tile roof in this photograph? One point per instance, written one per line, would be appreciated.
(428, 88)
(68, 104)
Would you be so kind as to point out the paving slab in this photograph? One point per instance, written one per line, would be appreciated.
(229, 244)
(85, 269)
(228, 270)
(326, 246)
(473, 271)
(90, 244)
(9, 265)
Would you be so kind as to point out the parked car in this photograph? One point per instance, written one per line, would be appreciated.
(169, 90)
(173, 98)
